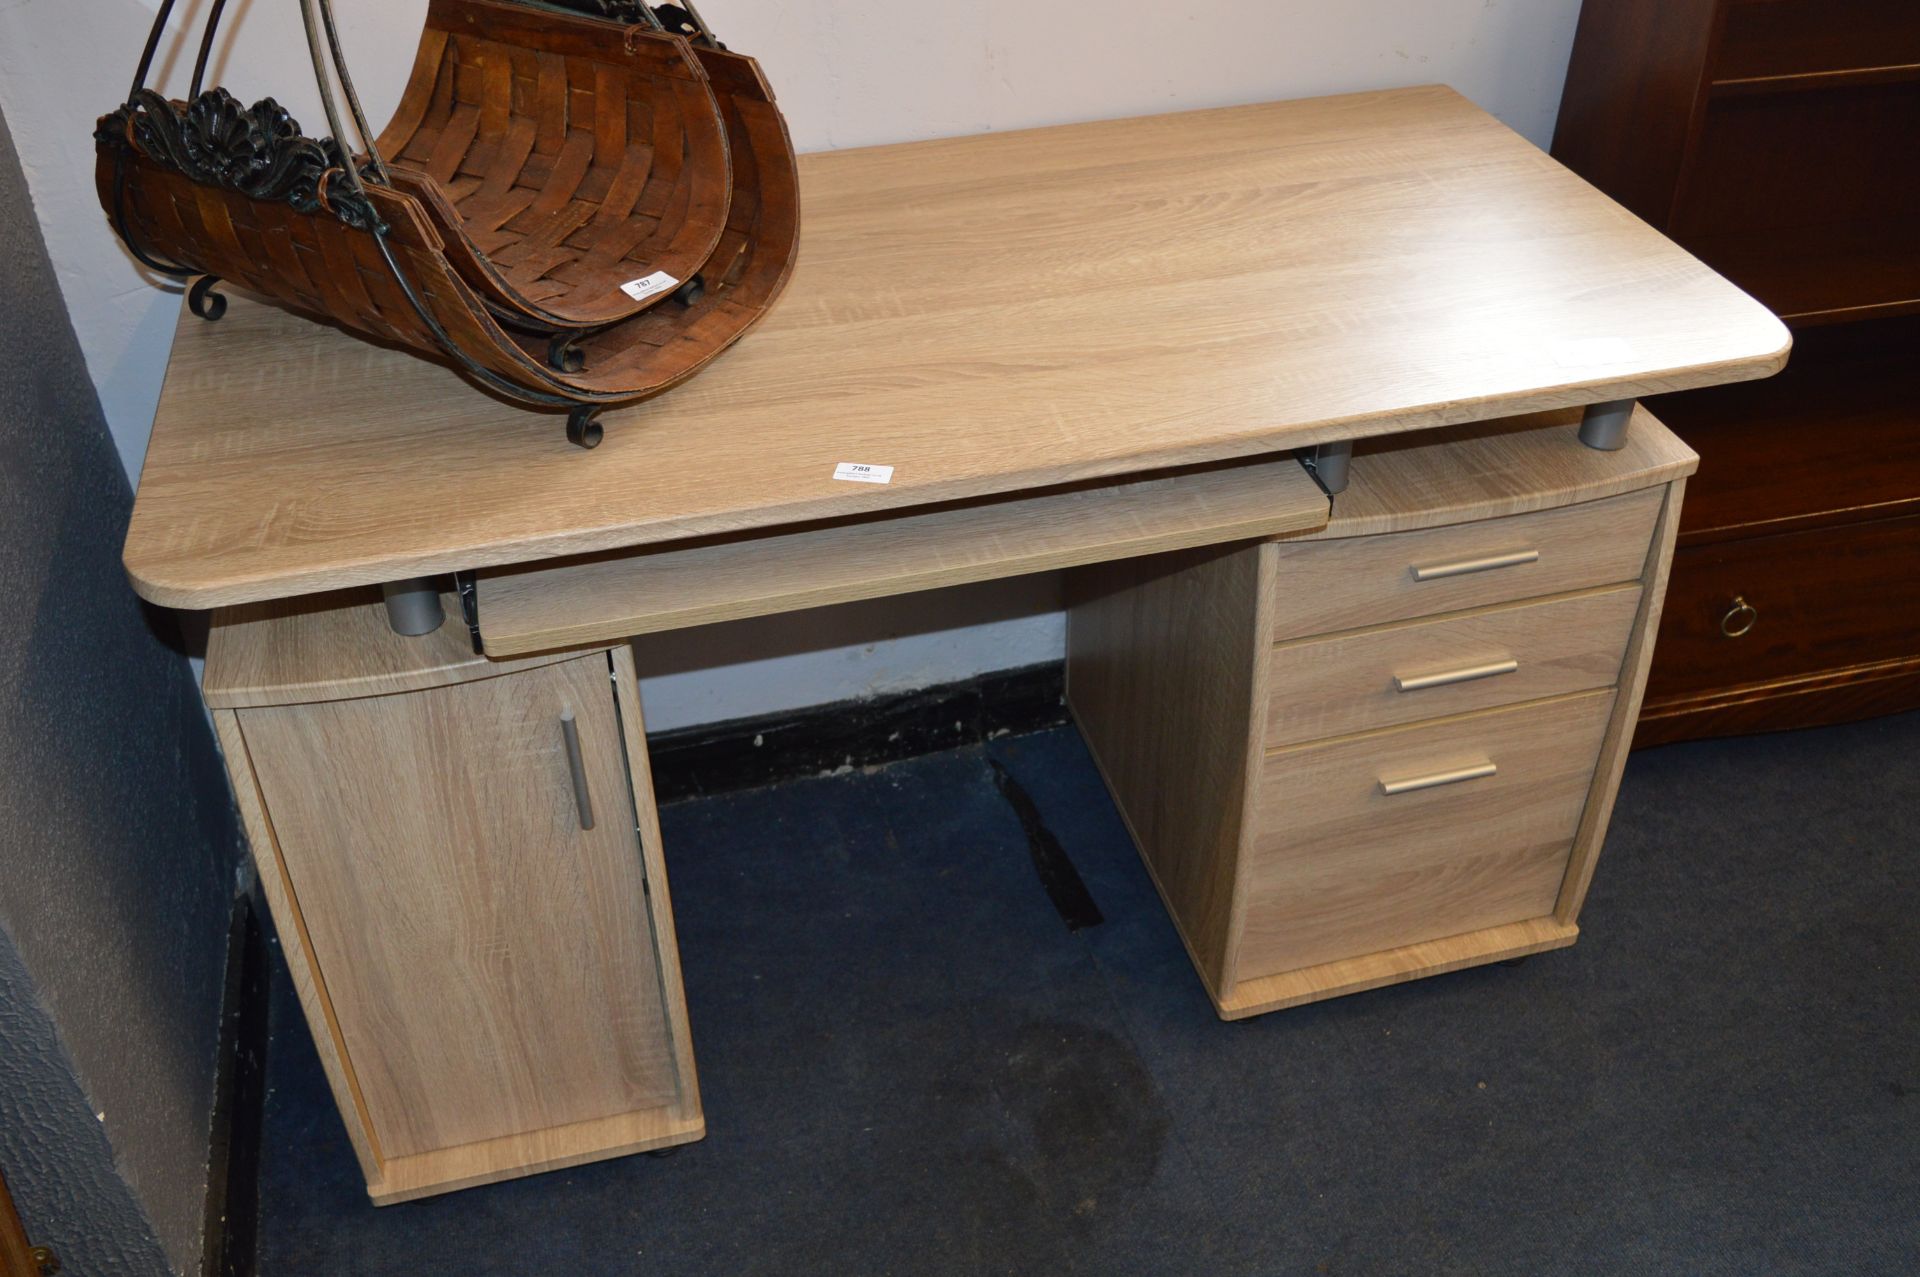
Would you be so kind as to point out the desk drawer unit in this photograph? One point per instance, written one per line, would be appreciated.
(1389, 748)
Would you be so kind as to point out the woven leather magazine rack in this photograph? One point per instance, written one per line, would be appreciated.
(575, 211)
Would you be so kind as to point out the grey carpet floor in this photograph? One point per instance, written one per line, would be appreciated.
(910, 1066)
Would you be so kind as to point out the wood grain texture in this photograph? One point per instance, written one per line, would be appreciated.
(1854, 383)
(558, 159)
(1392, 906)
(447, 1170)
(1636, 88)
(1789, 40)
(646, 813)
(1336, 867)
(1626, 710)
(1165, 667)
(1791, 184)
(1815, 700)
(1797, 198)
(509, 1156)
(1839, 621)
(296, 943)
(16, 1251)
(1359, 581)
(1331, 887)
(1828, 598)
(490, 964)
(538, 608)
(336, 646)
(1411, 962)
(985, 314)
(1490, 469)
(1335, 686)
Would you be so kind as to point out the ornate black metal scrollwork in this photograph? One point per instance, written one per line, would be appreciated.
(679, 19)
(629, 12)
(258, 151)
(682, 21)
(612, 10)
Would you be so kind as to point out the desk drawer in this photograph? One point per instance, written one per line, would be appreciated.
(1325, 586)
(1430, 669)
(1412, 834)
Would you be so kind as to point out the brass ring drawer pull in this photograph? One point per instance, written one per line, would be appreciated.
(1475, 771)
(1464, 567)
(1421, 682)
(582, 800)
(1740, 618)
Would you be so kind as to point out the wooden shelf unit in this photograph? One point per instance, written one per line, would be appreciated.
(1763, 472)
(1774, 138)
(1850, 77)
(1776, 41)
(1804, 198)
(1815, 276)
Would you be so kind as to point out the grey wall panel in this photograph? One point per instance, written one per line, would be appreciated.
(117, 837)
(58, 1163)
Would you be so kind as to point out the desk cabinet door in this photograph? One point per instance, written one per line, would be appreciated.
(491, 963)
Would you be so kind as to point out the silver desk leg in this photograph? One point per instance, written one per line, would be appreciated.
(413, 607)
(1329, 462)
(1604, 427)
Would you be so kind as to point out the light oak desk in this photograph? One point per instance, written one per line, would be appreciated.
(1357, 741)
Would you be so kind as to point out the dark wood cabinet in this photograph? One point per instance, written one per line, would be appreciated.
(1777, 140)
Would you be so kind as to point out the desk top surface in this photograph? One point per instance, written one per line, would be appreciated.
(985, 315)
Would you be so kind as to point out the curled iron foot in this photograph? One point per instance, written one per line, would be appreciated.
(563, 355)
(690, 293)
(583, 428)
(203, 301)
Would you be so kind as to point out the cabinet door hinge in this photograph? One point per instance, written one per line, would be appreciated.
(469, 587)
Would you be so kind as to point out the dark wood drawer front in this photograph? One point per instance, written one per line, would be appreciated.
(1821, 600)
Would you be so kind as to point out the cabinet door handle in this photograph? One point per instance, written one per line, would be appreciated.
(1463, 567)
(1421, 682)
(1473, 771)
(570, 733)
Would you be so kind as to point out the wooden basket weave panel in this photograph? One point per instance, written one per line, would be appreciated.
(749, 267)
(266, 247)
(315, 263)
(566, 167)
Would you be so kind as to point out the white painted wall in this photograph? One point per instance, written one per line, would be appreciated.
(849, 73)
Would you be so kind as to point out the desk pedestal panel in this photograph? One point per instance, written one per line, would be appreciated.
(1388, 748)
(474, 909)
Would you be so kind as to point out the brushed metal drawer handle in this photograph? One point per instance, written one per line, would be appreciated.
(582, 800)
(1421, 682)
(1440, 571)
(1473, 771)
(1740, 618)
